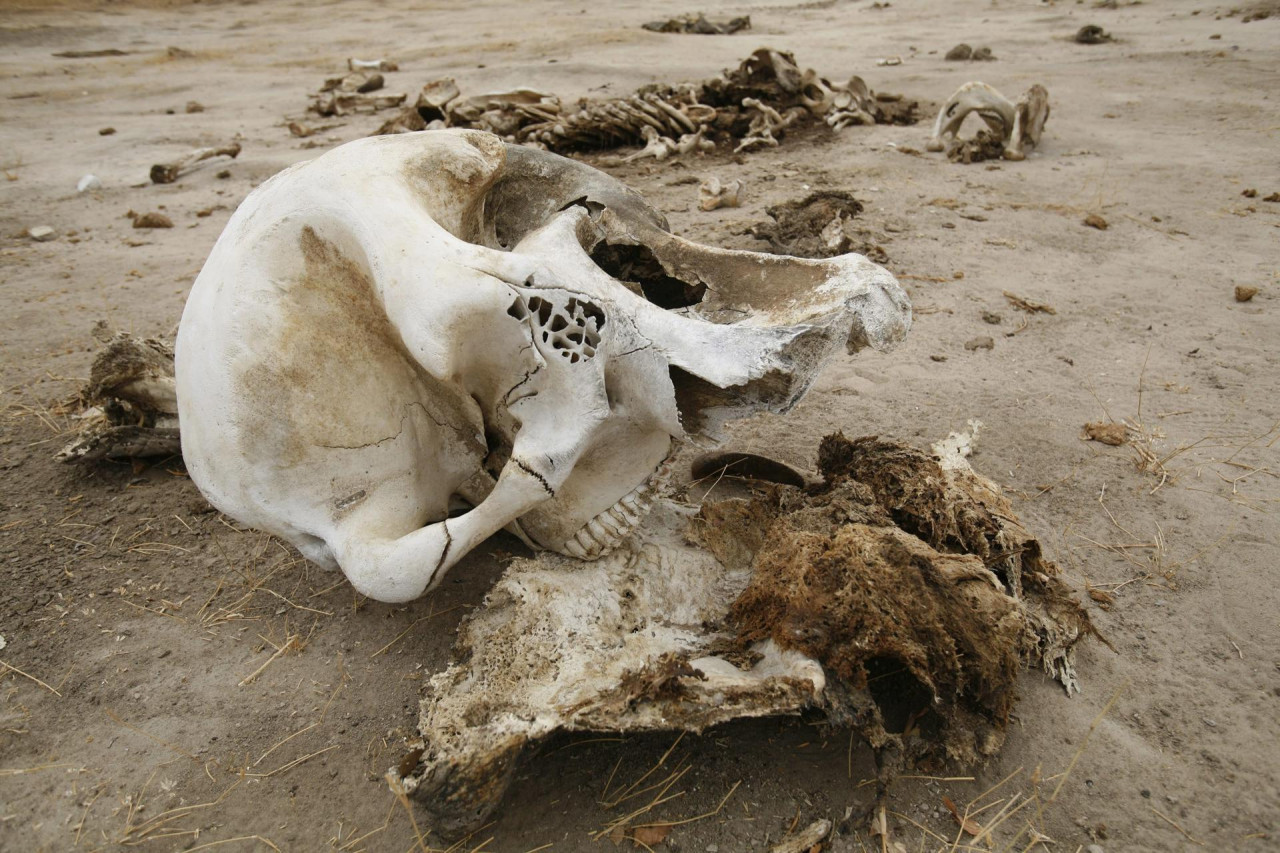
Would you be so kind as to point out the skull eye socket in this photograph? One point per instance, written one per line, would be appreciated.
(638, 269)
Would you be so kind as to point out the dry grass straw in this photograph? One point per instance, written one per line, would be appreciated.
(650, 782)
(8, 667)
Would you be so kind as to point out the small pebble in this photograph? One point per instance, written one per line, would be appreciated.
(88, 182)
(981, 342)
(106, 131)
(1244, 292)
(41, 233)
(1210, 723)
(1094, 848)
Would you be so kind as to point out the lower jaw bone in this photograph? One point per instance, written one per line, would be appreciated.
(609, 529)
(760, 607)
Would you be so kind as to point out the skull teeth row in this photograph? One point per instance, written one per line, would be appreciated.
(610, 528)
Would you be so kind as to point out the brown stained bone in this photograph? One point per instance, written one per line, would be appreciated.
(129, 408)
(1029, 115)
(699, 25)
(167, 173)
(701, 114)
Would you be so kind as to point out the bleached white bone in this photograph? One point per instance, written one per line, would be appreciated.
(415, 319)
(975, 97)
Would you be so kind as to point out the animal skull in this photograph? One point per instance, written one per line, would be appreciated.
(415, 321)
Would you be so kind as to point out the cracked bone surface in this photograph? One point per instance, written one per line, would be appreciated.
(411, 320)
(1018, 125)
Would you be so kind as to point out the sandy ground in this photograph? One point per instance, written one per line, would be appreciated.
(131, 612)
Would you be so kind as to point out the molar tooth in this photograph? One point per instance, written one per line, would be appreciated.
(587, 541)
(626, 516)
(574, 549)
(609, 523)
(602, 534)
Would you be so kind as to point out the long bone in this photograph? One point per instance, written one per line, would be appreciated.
(167, 173)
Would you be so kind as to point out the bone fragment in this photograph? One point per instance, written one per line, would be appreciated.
(804, 840)
(698, 24)
(1030, 113)
(167, 173)
(344, 103)
(712, 194)
(371, 65)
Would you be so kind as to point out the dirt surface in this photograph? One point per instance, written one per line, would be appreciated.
(175, 682)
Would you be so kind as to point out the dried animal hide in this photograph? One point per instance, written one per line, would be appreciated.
(756, 103)
(900, 595)
(129, 407)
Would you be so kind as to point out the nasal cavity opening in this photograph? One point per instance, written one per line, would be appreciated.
(637, 265)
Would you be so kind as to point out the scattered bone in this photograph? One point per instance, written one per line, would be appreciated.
(712, 194)
(1091, 34)
(41, 233)
(167, 173)
(371, 65)
(901, 593)
(699, 25)
(805, 840)
(1010, 127)
(1094, 220)
(150, 220)
(713, 111)
(353, 92)
(1106, 432)
(129, 407)
(1245, 292)
(346, 103)
(892, 60)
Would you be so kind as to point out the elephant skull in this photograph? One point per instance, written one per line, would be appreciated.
(414, 323)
